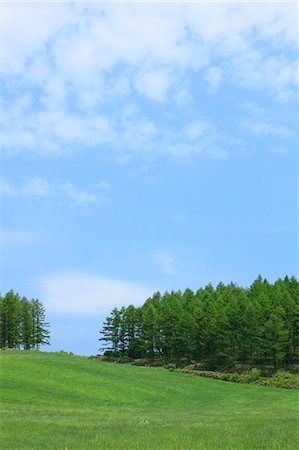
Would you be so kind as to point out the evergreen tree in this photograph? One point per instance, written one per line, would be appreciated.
(111, 331)
(275, 339)
(27, 325)
(132, 320)
(22, 323)
(41, 334)
(218, 327)
(150, 331)
(11, 318)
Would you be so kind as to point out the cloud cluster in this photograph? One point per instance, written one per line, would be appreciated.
(262, 123)
(85, 294)
(72, 69)
(57, 191)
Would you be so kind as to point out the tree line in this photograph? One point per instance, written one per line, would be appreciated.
(22, 323)
(220, 327)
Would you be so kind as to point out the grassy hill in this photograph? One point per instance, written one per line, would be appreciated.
(54, 401)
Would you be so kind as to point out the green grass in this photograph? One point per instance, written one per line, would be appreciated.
(54, 401)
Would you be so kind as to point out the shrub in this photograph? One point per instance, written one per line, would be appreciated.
(234, 377)
(148, 362)
(285, 380)
(283, 374)
(244, 378)
(117, 359)
(254, 375)
(291, 382)
(170, 366)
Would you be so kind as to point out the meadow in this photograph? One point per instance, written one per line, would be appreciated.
(57, 401)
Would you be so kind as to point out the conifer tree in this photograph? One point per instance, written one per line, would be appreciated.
(217, 327)
(22, 323)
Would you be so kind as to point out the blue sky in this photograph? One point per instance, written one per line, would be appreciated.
(144, 147)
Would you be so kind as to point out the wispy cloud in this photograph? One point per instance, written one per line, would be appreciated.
(79, 65)
(6, 188)
(58, 191)
(154, 85)
(261, 122)
(86, 294)
(165, 261)
(197, 129)
(266, 129)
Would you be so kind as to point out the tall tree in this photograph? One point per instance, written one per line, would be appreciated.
(41, 334)
(227, 325)
(22, 323)
(111, 332)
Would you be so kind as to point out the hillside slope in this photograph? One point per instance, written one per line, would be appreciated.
(54, 401)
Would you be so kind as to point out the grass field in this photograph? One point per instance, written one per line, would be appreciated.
(53, 401)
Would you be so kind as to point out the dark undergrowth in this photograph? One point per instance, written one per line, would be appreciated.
(265, 376)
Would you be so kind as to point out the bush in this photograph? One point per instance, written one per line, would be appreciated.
(170, 366)
(291, 382)
(234, 377)
(141, 362)
(148, 362)
(254, 375)
(283, 374)
(117, 359)
(244, 378)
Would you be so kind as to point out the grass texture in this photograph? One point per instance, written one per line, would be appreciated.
(56, 401)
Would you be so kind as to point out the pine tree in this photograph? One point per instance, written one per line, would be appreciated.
(150, 332)
(26, 324)
(275, 339)
(22, 323)
(218, 327)
(132, 321)
(11, 320)
(111, 332)
(40, 332)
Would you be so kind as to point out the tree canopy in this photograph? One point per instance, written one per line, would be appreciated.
(22, 323)
(220, 326)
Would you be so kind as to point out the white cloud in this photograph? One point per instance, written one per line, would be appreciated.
(165, 261)
(197, 138)
(85, 41)
(38, 187)
(6, 188)
(82, 293)
(266, 128)
(154, 84)
(264, 123)
(57, 191)
(75, 59)
(197, 129)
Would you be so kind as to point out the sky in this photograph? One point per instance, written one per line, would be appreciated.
(144, 147)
